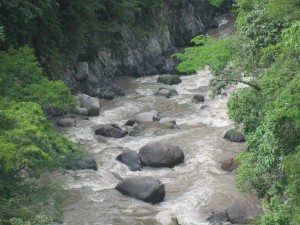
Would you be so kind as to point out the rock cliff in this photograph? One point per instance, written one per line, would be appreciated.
(173, 28)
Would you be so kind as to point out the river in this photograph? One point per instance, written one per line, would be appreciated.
(193, 189)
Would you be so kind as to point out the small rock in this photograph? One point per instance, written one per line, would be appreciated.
(169, 79)
(229, 165)
(131, 159)
(66, 122)
(90, 103)
(80, 111)
(87, 162)
(198, 98)
(110, 130)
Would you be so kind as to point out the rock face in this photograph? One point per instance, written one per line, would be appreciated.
(169, 79)
(66, 122)
(147, 189)
(131, 159)
(84, 163)
(172, 29)
(110, 130)
(90, 103)
(161, 155)
(234, 135)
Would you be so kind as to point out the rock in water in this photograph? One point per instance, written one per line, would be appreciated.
(169, 79)
(198, 98)
(229, 165)
(144, 117)
(90, 103)
(131, 159)
(147, 189)
(234, 135)
(66, 122)
(110, 130)
(161, 155)
(87, 162)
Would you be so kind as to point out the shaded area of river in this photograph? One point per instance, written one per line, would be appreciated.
(193, 189)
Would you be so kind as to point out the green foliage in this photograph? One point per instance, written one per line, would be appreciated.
(21, 79)
(216, 3)
(29, 146)
(215, 53)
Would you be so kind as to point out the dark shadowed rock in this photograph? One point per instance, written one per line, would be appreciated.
(229, 165)
(131, 159)
(198, 98)
(110, 130)
(147, 189)
(161, 155)
(87, 162)
(234, 135)
(242, 212)
(66, 122)
(218, 217)
(169, 79)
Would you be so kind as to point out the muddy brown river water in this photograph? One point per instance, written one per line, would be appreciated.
(193, 189)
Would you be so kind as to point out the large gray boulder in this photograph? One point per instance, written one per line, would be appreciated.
(66, 122)
(144, 117)
(82, 71)
(90, 103)
(242, 212)
(110, 130)
(169, 79)
(147, 189)
(131, 159)
(161, 155)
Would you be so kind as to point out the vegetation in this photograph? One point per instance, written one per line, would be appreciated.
(29, 146)
(265, 55)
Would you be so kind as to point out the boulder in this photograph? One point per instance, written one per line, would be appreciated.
(242, 212)
(147, 189)
(91, 104)
(87, 162)
(131, 159)
(66, 122)
(167, 92)
(166, 218)
(229, 165)
(169, 79)
(80, 111)
(161, 155)
(198, 98)
(144, 117)
(110, 130)
(82, 71)
(218, 217)
(234, 135)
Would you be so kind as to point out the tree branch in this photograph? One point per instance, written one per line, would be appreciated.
(256, 87)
